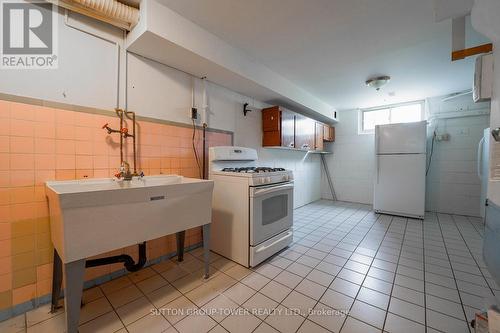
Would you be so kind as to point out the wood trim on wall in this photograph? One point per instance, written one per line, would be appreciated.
(462, 54)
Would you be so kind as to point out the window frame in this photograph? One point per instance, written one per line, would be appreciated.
(361, 118)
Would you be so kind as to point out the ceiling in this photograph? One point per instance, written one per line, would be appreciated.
(330, 47)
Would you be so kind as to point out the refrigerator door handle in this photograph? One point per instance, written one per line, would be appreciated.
(378, 167)
(377, 145)
(480, 158)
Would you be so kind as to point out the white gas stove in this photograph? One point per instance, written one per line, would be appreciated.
(252, 206)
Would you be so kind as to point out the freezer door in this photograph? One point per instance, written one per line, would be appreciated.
(408, 138)
(400, 185)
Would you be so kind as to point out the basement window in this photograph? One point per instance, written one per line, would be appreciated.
(391, 114)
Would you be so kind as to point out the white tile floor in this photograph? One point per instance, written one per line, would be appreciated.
(349, 270)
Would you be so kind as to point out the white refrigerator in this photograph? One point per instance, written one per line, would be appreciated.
(399, 185)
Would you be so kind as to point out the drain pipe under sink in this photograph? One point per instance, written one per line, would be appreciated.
(127, 260)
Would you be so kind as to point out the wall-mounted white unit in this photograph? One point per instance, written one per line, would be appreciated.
(483, 78)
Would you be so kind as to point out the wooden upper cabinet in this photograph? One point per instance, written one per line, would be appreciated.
(283, 128)
(319, 136)
(278, 127)
(271, 119)
(304, 132)
(328, 133)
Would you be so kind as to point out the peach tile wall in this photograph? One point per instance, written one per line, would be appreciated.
(39, 144)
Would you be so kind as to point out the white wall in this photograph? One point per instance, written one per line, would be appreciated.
(87, 76)
(157, 91)
(453, 185)
(87, 72)
(352, 163)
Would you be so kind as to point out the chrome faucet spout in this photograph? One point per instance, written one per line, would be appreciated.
(124, 173)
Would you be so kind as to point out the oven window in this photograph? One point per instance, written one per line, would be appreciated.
(274, 209)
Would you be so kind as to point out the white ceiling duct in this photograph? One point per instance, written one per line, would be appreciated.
(110, 11)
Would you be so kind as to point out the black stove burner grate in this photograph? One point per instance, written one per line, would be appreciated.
(253, 169)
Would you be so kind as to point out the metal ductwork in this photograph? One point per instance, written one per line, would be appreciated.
(110, 11)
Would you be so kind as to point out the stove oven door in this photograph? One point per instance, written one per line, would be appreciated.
(271, 211)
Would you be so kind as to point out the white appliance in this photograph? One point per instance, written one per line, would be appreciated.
(399, 186)
(252, 206)
(483, 164)
(483, 78)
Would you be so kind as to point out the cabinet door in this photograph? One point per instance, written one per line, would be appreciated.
(287, 129)
(310, 133)
(329, 133)
(318, 141)
(271, 119)
(304, 132)
(271, 139)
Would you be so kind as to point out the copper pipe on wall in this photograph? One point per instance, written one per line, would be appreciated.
(124, 134)
(119, 112)
(204, 150)
(128, 113)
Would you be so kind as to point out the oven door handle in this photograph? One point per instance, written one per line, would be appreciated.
(263, 248)
(257, 192)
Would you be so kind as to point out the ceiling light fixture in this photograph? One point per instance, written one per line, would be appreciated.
(378, 82)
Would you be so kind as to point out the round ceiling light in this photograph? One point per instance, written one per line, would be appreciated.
(378, 82)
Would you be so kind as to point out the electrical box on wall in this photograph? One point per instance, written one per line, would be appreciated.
(443, 137)
(194, 113)
(483, 78)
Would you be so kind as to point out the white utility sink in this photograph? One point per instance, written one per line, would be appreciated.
(93, 216)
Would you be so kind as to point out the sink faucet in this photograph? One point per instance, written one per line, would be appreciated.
(124, 172)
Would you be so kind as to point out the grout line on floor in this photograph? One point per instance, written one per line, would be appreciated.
(303, 278)
(472, 255)
(395, 273)
(364, 278)
(342, 267)
(425, 278)
(452, 271)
